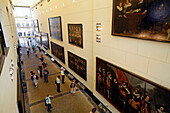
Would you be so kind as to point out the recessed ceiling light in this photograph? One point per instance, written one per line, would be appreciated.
(63, 3)
(56, 7)
(74, 1)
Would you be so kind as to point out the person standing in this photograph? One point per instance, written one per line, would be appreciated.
(48, 102)
(42, 58)
(57, 81)
(46, 75)
(40, 70)
(44, 64)
(62, 74)
(73, 87)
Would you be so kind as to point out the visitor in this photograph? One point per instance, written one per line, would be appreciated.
(73, 87)
(46, 75)
(57, 81)
(48, 102)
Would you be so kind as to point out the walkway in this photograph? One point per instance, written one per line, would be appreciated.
(62, 102)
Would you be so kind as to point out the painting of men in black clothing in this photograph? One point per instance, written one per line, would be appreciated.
(58, 51)
(130, 93)
(77, 64)
(143, 19)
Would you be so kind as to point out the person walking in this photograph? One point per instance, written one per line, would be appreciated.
(73, 87)
(62, 74)
(35, 80)
(57, 81)
(28, 51)
(35, 51)
(46, 75)
(48, 102)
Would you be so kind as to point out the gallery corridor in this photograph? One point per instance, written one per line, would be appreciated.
(62, 102)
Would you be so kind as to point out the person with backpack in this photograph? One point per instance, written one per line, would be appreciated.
(48, 102)
(46, 75)
(73, 87)
(34, 78)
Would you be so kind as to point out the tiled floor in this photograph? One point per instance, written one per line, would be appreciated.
(62, 102)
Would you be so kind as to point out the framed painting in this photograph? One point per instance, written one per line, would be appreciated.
(142, 19)
(58, 51)
(45, 40)
(38, 39)
(36, 26)
(130, 93)
(75, 34)
(77, 64)
(55, 28)
(2, 48)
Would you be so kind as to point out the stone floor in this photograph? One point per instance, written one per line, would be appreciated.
(62, 102)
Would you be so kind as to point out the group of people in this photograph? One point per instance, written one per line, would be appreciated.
(34, 49)
(42, 69)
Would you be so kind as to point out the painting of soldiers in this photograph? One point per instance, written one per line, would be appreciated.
(128, 92)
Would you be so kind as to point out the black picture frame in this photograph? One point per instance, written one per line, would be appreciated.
(38, 39)
(45, 40)
(75, 34)
(55, 26)
(3, 50)
(78, 65)
(118, 86)
(142, 19)
(36, 26)
(58, 51)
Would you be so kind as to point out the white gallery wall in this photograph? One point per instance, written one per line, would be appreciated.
(147, 59)
(8, 93)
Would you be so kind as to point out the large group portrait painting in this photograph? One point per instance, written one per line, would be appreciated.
(144, 19)
(128, 92)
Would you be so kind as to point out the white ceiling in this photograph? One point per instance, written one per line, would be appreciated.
(24, 2)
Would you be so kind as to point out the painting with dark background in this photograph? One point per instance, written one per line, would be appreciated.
(38, 39)
(58, 51)
(36, 26)
(2, 48)
(77, 64)
(55, 28)
(128, 92)
(45, 39)
(75, 34)
(144, 19)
